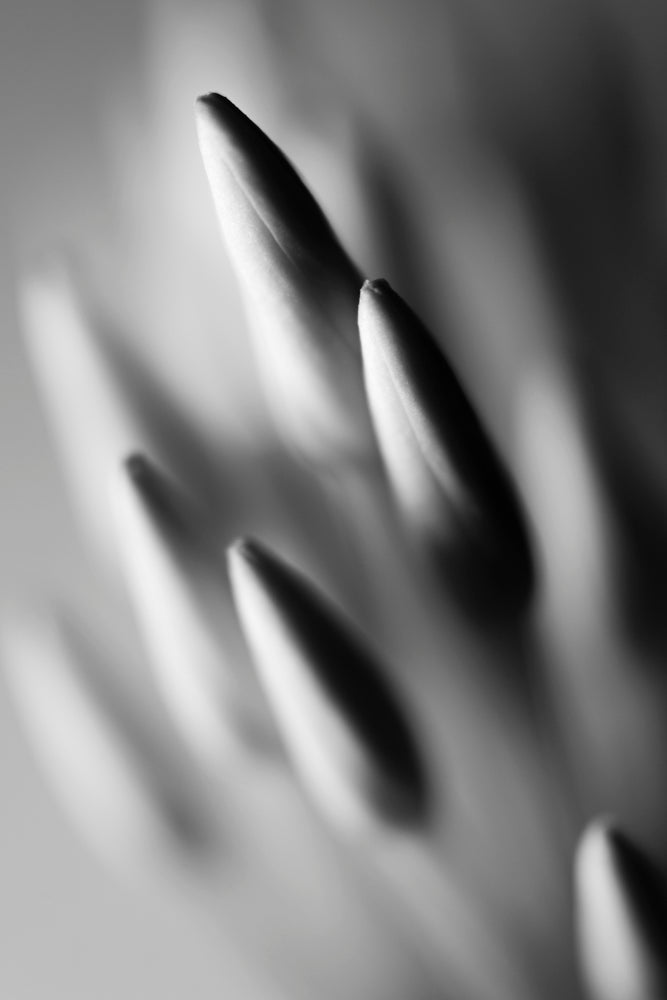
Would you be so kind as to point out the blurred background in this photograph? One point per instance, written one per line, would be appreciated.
(379, 102)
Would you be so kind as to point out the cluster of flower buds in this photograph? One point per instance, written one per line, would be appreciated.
(377, 782)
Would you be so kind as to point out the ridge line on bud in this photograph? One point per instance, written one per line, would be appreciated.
(450, 484)
(299, 287)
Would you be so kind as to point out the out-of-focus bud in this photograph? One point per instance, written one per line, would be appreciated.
(570, 520)
(622, 914)
(180, 592)
(341, 721)
(87, 414)
(101, 403)
(299, 286)
(448, 480)
(114, 782)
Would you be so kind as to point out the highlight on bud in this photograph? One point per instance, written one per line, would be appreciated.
(448, 480)
(114, 784)
(299, 286)
(621, 901)
(340, 718)
(177, 581)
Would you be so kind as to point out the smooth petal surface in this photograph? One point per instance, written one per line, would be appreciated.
(447, 478)
(341, 721)
(622, 915)
(299, 286)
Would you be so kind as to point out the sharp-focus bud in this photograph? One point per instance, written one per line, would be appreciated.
(448, 480)
(341, 720)
(178, 583)
(299, 286)
(621, 916)
(113, 781)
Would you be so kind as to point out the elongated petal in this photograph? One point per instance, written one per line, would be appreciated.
(299, 286)
(108, 775)
(339, 717)
(447, 478)
(181, 597)
(622, 915)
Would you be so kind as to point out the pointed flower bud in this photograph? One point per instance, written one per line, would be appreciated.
(448, 480)
(341, 720)
(300, 287)
(115, 785)
(622, 915)
(177, 580)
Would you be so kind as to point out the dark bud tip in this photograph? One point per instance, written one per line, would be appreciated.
(378, 286)
(137, 467)
(212, 100)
